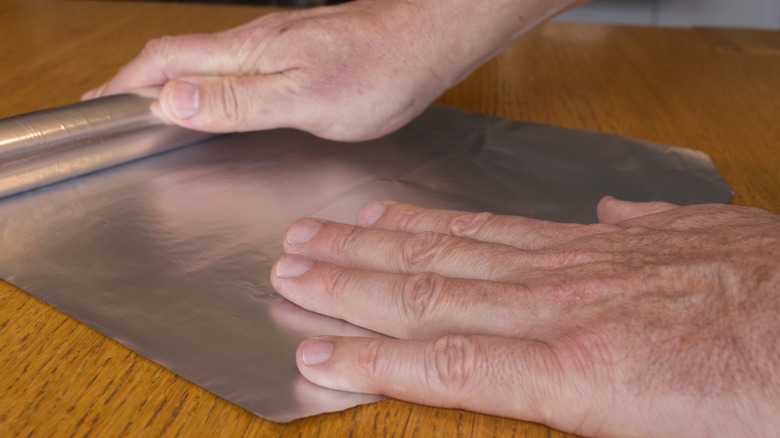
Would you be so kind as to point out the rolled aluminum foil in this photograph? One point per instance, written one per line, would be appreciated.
(54, 145)
(170, 255)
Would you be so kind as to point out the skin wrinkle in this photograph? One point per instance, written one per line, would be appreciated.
(371, 360)
(419, 250)
(336, 282)
(405, 221)
(503, 267)
(344, 244)
(591, 356)
(545, 357)
(493, 303)
(341, 78)
(250, 52)
(496, 262)
(433, 310)
(421, 299)
(470, 225)
(291, 84)
(233, 114)
(452, 364)
(156, 51)
(490, 369)
(428, 311)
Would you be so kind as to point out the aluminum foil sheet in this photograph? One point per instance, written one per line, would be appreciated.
(170, 255)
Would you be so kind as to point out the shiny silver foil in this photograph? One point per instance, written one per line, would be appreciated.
(170, 255)
(54, 145)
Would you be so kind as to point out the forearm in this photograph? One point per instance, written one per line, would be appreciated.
(457, 36)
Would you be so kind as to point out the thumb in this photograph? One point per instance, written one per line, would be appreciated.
(612, 211)
(499, 376)
(226, 103)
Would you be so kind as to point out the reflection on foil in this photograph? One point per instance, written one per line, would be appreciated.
(54, 145)
(171, 255)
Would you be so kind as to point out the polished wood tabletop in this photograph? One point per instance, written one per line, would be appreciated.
(715, 90)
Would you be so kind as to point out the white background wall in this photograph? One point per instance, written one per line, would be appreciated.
(729, 13)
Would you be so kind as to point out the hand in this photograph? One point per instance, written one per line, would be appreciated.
(660, 320)
(348, 72)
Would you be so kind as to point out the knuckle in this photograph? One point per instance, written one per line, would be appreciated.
(407, 219)
(336, 281)
(159, 48)
(345, 243)
(420, 294)
(470, 224)
(452, 363)
(231, 113)
(369, 359)
(420, 249)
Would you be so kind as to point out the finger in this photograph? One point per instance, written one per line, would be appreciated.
(499, 376)
(419, 306)
(93, 93)
(613, 211)
(297, 319)
(413, 253)
(517, 231)
(151, 91)
(169, 57)
(231, 103)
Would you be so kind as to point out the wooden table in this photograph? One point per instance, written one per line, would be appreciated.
(713, 90)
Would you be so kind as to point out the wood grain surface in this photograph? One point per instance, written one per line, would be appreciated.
(674, 86)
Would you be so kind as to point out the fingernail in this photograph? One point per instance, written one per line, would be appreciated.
(303, 231)
(184, 99)
(316, 350)
(371, 213)
(292, 266)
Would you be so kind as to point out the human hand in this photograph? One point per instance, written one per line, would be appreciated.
(348, 72)
(660, 320)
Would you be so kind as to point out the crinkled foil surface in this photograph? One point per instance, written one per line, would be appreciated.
(170, 255)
